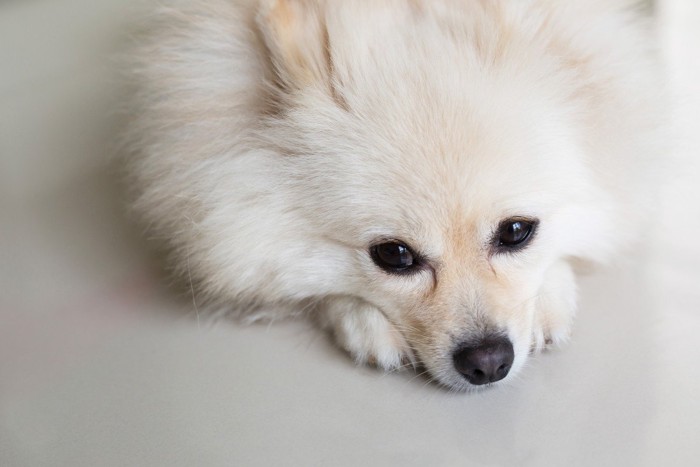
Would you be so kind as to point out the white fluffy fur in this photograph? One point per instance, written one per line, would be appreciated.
(274, 141)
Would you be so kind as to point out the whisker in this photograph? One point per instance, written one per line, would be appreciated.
(194, 298)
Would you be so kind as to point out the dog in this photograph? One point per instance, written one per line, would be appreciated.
(420, 176)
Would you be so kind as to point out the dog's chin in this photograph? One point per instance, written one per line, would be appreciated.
(444, 374)
(454, 382)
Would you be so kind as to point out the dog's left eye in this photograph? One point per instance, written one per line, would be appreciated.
(515, 233)
(394, 257)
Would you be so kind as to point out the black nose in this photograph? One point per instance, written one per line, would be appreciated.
(488, 362)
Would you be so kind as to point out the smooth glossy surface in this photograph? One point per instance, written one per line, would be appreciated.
(514, 233)
(392, 256)
(101, 365)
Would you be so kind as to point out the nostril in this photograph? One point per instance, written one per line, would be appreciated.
(487, 362)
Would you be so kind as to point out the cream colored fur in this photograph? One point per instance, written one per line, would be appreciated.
(273, 141)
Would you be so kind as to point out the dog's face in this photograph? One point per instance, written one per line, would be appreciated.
(443, 177)
(458, 239)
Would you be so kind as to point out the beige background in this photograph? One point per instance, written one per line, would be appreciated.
(98, 367)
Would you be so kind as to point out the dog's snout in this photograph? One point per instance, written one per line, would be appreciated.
(487, 362)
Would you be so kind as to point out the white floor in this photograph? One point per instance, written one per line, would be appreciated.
(98, 368)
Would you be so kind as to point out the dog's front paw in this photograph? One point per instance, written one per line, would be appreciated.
(366, 334)
(556, 307)
(552, 328)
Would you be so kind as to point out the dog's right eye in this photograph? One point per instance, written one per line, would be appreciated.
(514, 234)
(394, 257)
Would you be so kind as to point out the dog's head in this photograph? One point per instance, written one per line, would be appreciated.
(438, 159)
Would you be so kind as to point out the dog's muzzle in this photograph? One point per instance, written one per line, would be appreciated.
(487, 362)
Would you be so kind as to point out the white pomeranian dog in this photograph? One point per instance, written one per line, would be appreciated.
(420, 175)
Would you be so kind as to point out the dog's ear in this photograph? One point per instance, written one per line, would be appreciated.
(296, 36)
